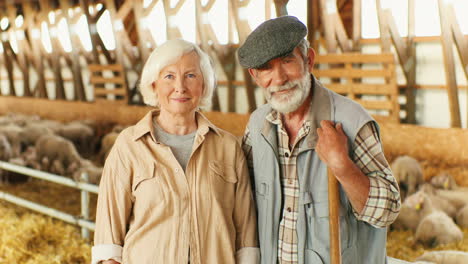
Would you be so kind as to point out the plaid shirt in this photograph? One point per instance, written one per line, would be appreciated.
(380, 209)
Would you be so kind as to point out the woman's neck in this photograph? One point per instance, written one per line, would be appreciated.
(177, 124)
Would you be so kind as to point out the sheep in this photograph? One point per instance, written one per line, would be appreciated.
(94, 172)
(420, 204)
(458, 198)
(30, 158)
(445, 257)
(12, 132)
(408, 174)
(5, 154)
(437, 228)
(444, 181)
(32, 132)
(414, 208)
(80, 134)
(106, 145)
(53, 147)
(462, 217)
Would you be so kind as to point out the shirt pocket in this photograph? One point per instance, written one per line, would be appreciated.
(149, 188)
(223, 180)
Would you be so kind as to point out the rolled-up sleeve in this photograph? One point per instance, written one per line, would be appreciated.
(247, 250)
(383, 202)
(113, 209)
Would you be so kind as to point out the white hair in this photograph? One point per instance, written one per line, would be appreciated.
(304, 48)
(167, 54)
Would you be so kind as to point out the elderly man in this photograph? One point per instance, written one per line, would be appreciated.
(290, 141)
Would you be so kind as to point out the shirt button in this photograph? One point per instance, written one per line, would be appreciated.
(289, 209)
(286, 155)
(177, 170)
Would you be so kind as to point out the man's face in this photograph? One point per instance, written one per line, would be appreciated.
(285, 81)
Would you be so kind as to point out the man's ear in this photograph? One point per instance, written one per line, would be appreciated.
(310, 58)
(253, 73)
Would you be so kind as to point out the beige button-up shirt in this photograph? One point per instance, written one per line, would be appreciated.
(150, 211)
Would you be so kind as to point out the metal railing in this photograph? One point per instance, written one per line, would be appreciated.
(86, 188)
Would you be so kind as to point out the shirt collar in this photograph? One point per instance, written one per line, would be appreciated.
(145, 125)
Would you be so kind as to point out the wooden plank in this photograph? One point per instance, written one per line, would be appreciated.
(104, 80)
(355, 58)
(105, 92)
(105, 67)
(376, 104)
(363, 88)
(354, 73)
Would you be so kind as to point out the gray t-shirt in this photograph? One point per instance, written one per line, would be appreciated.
(181, 145)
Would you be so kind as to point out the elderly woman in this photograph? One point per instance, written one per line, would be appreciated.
(175, 188)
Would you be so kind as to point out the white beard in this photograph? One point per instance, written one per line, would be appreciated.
(292, 100)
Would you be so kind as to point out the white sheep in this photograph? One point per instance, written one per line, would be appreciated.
(86, 166)
(12, 132)
(445, 257)
(462, 217)
(52, 147)
(106, 144)
(80, 134)
(437, 228)
(444, 180)
(458, 197)
(420, 204)
(408, 173)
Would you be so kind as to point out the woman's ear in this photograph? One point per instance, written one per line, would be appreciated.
(153, 86)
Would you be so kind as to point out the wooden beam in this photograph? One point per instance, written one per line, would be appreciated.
(75, 59)
(119, 51)
(142, 44)
(447, 47)
(7, 56)
(40, 89)
(21, 58)
(281, 7)
(357, 6)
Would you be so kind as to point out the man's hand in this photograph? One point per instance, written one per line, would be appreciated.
(332, 144)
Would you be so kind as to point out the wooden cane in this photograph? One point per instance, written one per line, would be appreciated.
(334, 215)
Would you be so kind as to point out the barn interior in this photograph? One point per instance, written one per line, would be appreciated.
(72, 68)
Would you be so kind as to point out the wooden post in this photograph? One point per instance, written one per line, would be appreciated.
(40, 89)
(447, 47)
(460, 42)
(119, 51)
(281, 7)
(75, 59)
(243, 30)
(334, 216)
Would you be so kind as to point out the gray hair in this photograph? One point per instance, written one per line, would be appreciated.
(167, 54)
(304, 48)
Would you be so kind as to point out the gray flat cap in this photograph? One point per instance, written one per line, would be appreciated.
(273, 38)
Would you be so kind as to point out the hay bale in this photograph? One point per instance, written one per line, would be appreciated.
(29, 238)
(437, 149)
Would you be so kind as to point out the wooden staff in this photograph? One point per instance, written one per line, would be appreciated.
(334, 216)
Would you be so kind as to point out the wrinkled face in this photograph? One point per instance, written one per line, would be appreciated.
(179, 86)
(285, 80)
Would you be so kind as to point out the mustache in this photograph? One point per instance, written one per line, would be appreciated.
(286, 86)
